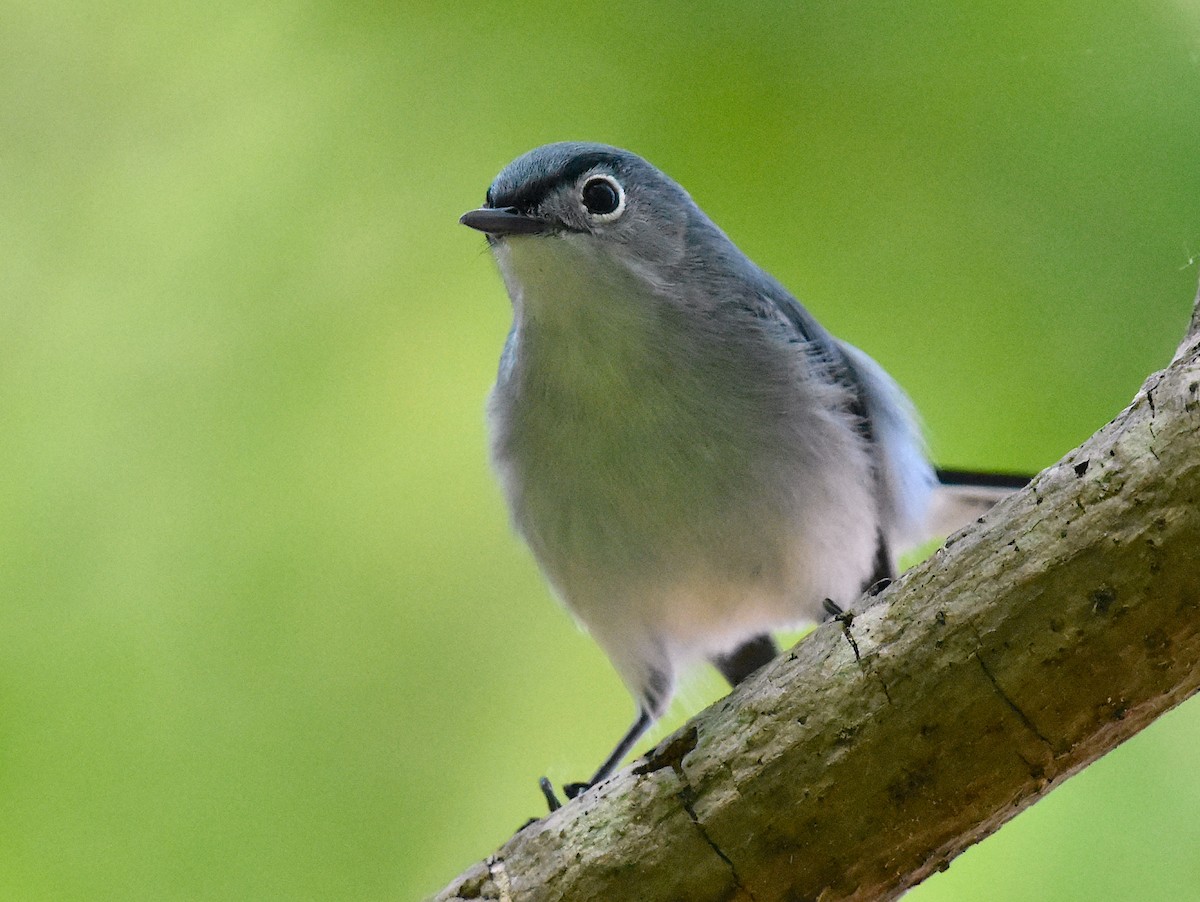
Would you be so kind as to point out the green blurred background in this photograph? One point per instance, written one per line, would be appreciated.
(265, 632)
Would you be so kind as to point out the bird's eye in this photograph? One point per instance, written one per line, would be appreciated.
(603, 198)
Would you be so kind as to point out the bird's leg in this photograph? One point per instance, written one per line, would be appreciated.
(571, 790)
(883, 570)
(632, 735)
(746, 658)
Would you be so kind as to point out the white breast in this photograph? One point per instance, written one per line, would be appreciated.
(682, 484)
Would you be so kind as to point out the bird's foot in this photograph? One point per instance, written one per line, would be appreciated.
(837, 612)
(549, 794)
(570, 790)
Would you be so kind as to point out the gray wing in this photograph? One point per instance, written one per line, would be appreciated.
(889, 424)
(906, 477)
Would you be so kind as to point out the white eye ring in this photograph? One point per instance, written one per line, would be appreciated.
(602, 189)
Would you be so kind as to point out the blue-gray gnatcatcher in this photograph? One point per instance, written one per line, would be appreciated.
(693, 460)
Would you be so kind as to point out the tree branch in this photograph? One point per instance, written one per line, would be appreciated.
(1060, 625)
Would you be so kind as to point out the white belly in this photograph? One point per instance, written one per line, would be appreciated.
(683, 491)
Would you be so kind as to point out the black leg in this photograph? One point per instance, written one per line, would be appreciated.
(882, 571)
(632, 735)
(653, 698)
(746, 658)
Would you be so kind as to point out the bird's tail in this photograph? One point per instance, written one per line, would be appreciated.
(962, 496)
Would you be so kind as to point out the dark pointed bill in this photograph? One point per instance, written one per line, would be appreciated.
(503, 221)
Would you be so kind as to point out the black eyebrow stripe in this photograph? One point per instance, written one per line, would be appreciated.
(529, 194)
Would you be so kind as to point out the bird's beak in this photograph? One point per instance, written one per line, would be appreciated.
(503, 221)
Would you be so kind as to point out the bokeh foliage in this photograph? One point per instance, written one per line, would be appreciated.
(265, 632)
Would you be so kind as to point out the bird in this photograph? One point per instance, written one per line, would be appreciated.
(693, 460)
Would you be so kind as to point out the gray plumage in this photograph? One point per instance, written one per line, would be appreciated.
(692, 459)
